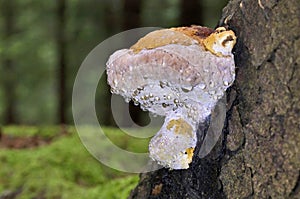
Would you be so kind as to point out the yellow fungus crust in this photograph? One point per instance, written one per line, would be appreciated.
(181, 126)
(190, 153)
(219, 41)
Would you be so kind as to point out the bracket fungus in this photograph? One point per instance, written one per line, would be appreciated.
(179, 73)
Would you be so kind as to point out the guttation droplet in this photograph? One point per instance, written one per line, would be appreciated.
(187, 89)
(202, 86)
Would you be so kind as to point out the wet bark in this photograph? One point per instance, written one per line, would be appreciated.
(258, 153)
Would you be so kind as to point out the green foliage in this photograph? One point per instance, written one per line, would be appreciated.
(64, 168)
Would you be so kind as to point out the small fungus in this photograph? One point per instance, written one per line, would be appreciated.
(179, 73)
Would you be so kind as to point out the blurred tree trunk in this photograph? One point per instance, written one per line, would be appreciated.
(132, 19)
(112, 25)
(132, 14)
(61, 60)
(9, 76)
(258, 154)
(191, 12)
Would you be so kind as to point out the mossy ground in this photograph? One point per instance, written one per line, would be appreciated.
(63, 169)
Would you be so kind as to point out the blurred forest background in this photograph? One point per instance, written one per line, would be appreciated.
(43, 43)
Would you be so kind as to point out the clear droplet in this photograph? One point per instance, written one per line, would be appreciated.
(156, 98)
(127, 99)
(112, 90)
(164, 105)
(226, 83)
(186, 89)
(202, 86)
(212, 92)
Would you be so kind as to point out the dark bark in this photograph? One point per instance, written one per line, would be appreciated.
(61, 60)
(258, 154)
(9, 84)
(191, 12)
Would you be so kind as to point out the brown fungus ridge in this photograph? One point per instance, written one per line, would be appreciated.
(160, 38)
(198, 33)
(180, 35)
(219, 41)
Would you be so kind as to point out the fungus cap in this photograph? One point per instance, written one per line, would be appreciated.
(179, 73)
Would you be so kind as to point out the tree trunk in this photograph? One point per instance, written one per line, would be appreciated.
(61, 60)
(258, 154)
(9, 76)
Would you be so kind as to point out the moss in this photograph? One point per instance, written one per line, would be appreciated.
(62, 169)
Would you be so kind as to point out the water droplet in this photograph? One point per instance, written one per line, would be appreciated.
(140, 88)
(189, 79)
(127, 99)
(226, 83)
(115, 82)
(202, 86)
(176, 101)
(186, 89)
(164, 105)
(162, 84)
(134, 99)
(195, 117)
(212, 92)
(136, 92)
(211, 84)
(146, 76)
(112, 90)
(156, 98)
